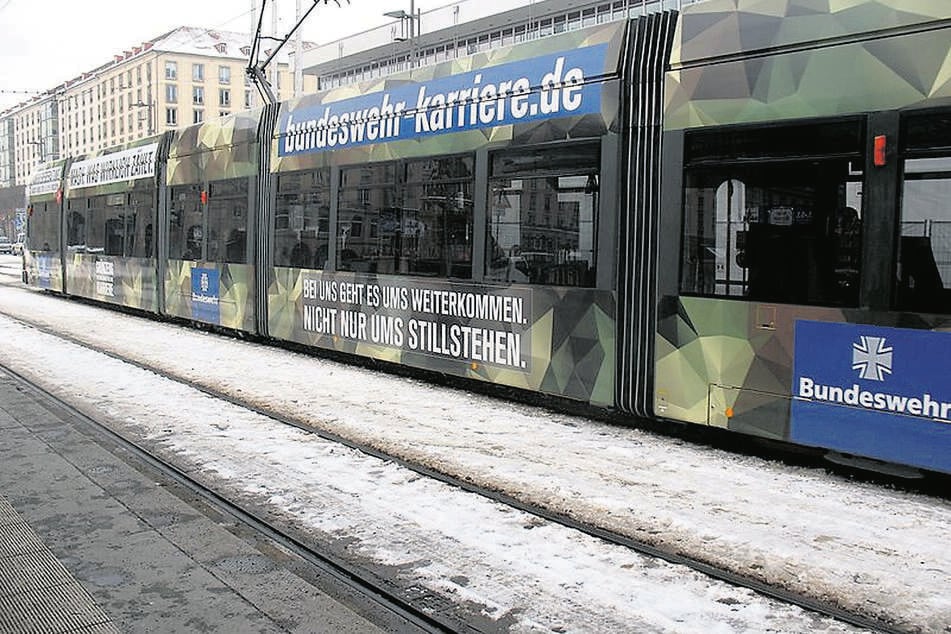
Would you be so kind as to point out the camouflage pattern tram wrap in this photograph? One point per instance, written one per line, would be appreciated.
(556, 340)
(825, 72)
(42, 254)
(216, 292)
(437, 136)
(732, 215)
(730, 363)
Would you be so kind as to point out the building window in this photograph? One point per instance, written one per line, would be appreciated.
(248, 99)
(198, 95)
(171, 116)
(223, 113)
(198, 72)
(224, 74)
(224, 97)
(171, 70)
(171, 93)
(198, 115)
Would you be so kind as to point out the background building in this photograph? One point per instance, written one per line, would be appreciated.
(182, 77)
(459, 29)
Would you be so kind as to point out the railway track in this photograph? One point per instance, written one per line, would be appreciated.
(320, 563)
(694, 563)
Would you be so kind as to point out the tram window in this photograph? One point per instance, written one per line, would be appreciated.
(924, 266)
(436, 217)
(112, 224)
(543, 214)
(96, 224)
(140, 212)
(774, 214)
(302, 219)
(114, 216)
(227, 213)
(186, 222)
(409, 217)
(76, 224)
(365, 192)
(43, 227)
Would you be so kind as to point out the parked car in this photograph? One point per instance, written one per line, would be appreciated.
(5, 245)
(17, 248)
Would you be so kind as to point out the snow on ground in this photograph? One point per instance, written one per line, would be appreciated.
(871, 549)
(529, 573)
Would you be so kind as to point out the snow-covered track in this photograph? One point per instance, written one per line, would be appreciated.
(694, 561)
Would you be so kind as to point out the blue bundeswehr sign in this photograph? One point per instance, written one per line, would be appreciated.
(873, 391)
(545, 87)
(205, 300)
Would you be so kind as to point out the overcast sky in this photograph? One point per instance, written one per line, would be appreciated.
(46, 42)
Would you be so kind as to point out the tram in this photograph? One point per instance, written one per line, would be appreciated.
(733, 216)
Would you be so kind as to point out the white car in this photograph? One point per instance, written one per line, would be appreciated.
(5, 245)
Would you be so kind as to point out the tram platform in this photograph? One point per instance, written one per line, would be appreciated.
(90, 544)
(38, 593)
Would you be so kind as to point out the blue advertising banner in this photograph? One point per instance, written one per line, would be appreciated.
(549, 86)
(873, 391)
(205, 288)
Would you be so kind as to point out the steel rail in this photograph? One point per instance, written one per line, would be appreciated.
(350, 576)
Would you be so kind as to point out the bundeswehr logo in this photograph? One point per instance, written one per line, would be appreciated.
(874, 391)
(872, 358)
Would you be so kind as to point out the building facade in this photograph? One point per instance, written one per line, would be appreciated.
(459, 29)
(30, 133)
(6, 151)
(182, 77)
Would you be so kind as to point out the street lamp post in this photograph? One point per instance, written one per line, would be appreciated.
(42, 149)
(37, 143)
(413, 19)
(149, 106)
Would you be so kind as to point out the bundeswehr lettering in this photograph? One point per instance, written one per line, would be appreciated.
(544, 87)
